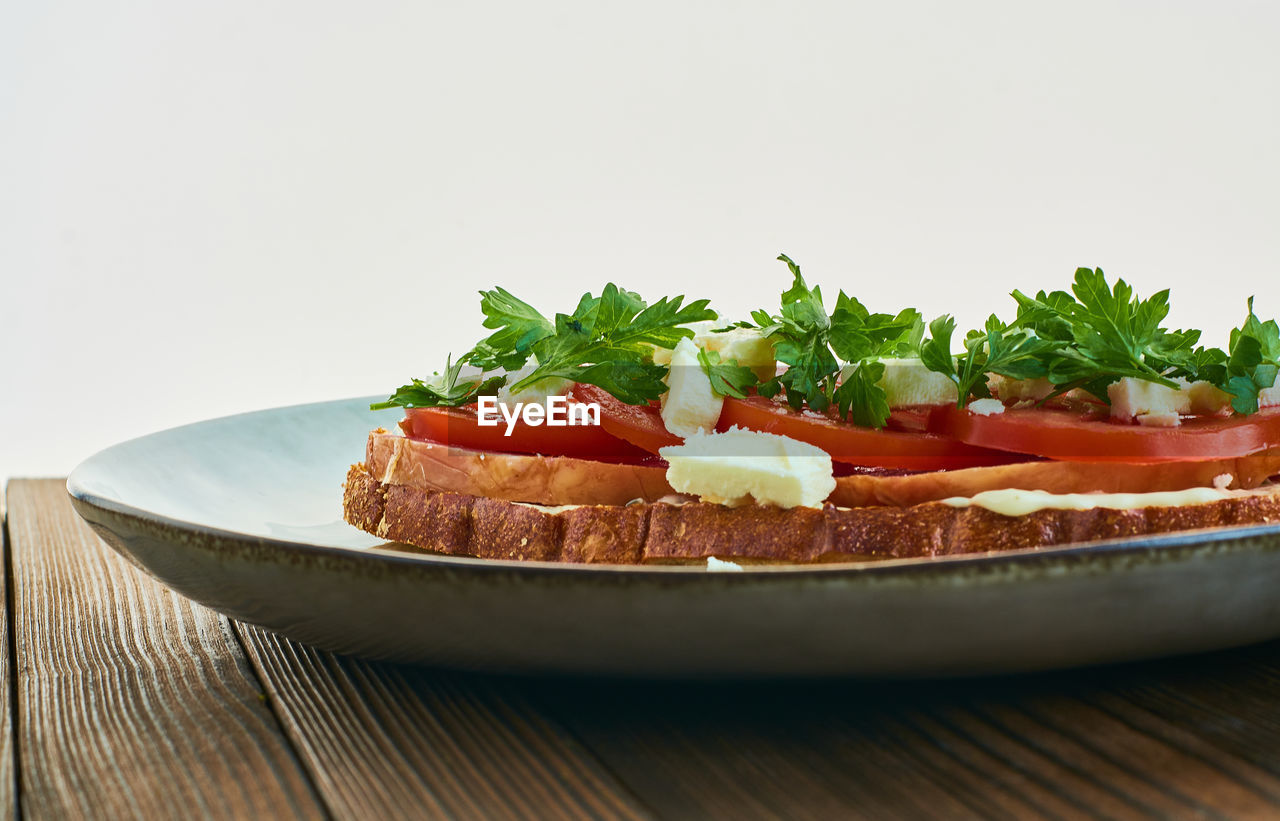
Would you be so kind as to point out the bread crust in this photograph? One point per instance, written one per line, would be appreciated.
(515, 477)
(661, 533)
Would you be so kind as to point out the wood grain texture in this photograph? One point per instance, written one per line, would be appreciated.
(385, 741)
(8, 769)
(1190, 738)
(132, 701)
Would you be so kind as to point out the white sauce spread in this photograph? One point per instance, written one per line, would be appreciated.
(1021, 502)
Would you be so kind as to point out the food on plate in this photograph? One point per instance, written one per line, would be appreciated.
(634, 432)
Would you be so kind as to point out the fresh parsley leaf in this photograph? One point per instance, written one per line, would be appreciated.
(800, 336)
(1244, 389)
(1253, 362)
(814, 346)
(859, 396)
(996, 349)
(857, 334)
(444, 391)
(727, 378)
(608, 341)
(1108, 334)
(1011, 353)
(935, 352)
(519, 326)
(1266, 333)
(1046, 315)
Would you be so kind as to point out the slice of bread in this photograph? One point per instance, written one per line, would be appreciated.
(661, 533)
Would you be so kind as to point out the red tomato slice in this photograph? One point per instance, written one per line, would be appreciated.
(641, 425)
(460, 427)
(857, 445)
(911, 418)
(1091, 437)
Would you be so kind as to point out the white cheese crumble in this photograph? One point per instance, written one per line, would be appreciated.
(746, 346)
(689, 406)
(535, 393)
(1207, 398)
(908, 382)
(986, 407)
(1161, 406)
(1028, 390)
(1133, 398)
(740, 466)
(714, 565)
(1159, 420)
(1223, 481)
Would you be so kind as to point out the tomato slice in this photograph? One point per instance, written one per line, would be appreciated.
(460, 427)
(1091, 437)
(856, 445)
(641, 425)
(911, 418)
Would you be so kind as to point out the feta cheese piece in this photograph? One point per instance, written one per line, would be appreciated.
(1223, 481)
(1207, 399)
(744, 345)
(689, 405)
(986, 407)
(1159, 420)
(1133, 398)
(715, 565)
(909, 382)
(662, 356)
(1021, 389)
(1270, 397)
(738, 466)
(535, 393)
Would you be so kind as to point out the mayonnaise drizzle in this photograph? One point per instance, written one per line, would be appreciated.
(1013, 502)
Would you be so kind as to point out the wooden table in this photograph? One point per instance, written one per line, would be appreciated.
(127, 700)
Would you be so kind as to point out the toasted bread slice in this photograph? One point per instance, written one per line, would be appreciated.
(515, 477)
(656, 533)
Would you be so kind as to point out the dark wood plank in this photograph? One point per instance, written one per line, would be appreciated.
(386, 741)
(780, 751)
(1179, 739)
(8, 769)
(132, 701)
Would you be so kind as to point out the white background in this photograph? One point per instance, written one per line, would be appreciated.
(208, 208)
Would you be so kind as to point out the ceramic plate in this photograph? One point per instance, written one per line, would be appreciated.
(243, 514)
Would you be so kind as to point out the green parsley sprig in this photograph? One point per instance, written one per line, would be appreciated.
(1098, 334)
(1253, 362)
(1108, 334)
(607, 341)
(447, 390)
(728, 378)
(1087, 338)
(817, 348)
(996, 349)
